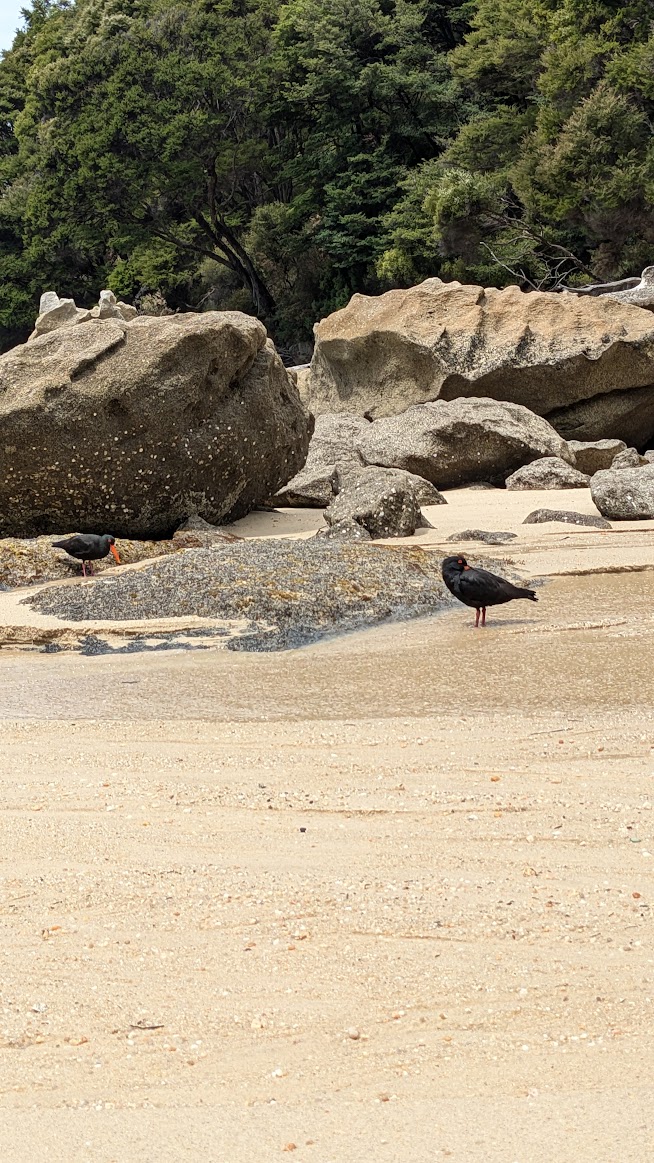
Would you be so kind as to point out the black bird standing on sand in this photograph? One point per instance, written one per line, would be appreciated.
(479, 588)
(88, 547)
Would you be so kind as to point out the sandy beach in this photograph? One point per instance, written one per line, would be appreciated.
(387, 897)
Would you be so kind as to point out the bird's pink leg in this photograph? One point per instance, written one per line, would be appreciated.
(483, 615)
(83, 569)
(477, 617)
(91, 569)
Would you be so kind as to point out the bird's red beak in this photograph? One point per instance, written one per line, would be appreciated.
(115, 553)
(465, 568)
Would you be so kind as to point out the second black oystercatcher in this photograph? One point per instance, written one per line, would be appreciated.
(88, 547)
(479, 588)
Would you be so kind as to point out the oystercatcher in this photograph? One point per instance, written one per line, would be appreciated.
(88, 547)
(479, 588)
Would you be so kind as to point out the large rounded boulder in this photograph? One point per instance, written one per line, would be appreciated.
(130, 427)
(459, 442)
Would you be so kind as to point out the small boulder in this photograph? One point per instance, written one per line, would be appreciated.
(385, 505)
(55, 312)
(489, 537)
(649, 456)
(541, 516)
(624, 494)
(108, 307)
(49, 300)
(550, 472)
(334, 441)
(346, 530)
(458, 442)
(593, 455)
(629, 458)
(425, 492)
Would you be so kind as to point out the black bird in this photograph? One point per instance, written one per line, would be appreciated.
(88, 547)
(479, 588)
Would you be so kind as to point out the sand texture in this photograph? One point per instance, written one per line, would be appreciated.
(385, 898)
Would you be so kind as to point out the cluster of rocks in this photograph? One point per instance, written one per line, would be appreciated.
(115, 421)
(55, 312)
(585, 363)
(372, 477)
(461, 385)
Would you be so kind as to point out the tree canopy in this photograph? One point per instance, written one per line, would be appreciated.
(278, 157)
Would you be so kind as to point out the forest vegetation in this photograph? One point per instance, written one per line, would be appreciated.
(278, 157)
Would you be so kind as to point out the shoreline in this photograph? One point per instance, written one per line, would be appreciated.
(385, 896)
(539, 551)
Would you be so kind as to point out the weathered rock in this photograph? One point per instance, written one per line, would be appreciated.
(49, 301)
(27, 561)
(491, 537)
(425, 493)
(55, 312)
(108, 307)
(624, 494)
(346, 530)
(460, 441)
(195, 533)
(375, 498)
(541, 516)
(628, 458)
(334, 440)
(549, 473)
(625, 415)
(136, 425)
(127, 310)
(292, 591)
(300, 373)
(552, 353)
(649, 455)
(592, 455)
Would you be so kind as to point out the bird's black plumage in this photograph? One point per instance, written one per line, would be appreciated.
(479, 588)
(88, 547)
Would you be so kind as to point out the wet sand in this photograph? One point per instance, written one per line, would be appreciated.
(383, 898)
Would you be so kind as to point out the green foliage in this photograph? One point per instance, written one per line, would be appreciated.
(277, 157)
(551, 177)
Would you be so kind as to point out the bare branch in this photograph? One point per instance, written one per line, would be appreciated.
(519, 276)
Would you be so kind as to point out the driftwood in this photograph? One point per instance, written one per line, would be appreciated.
(604, 288)
(633, 292)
